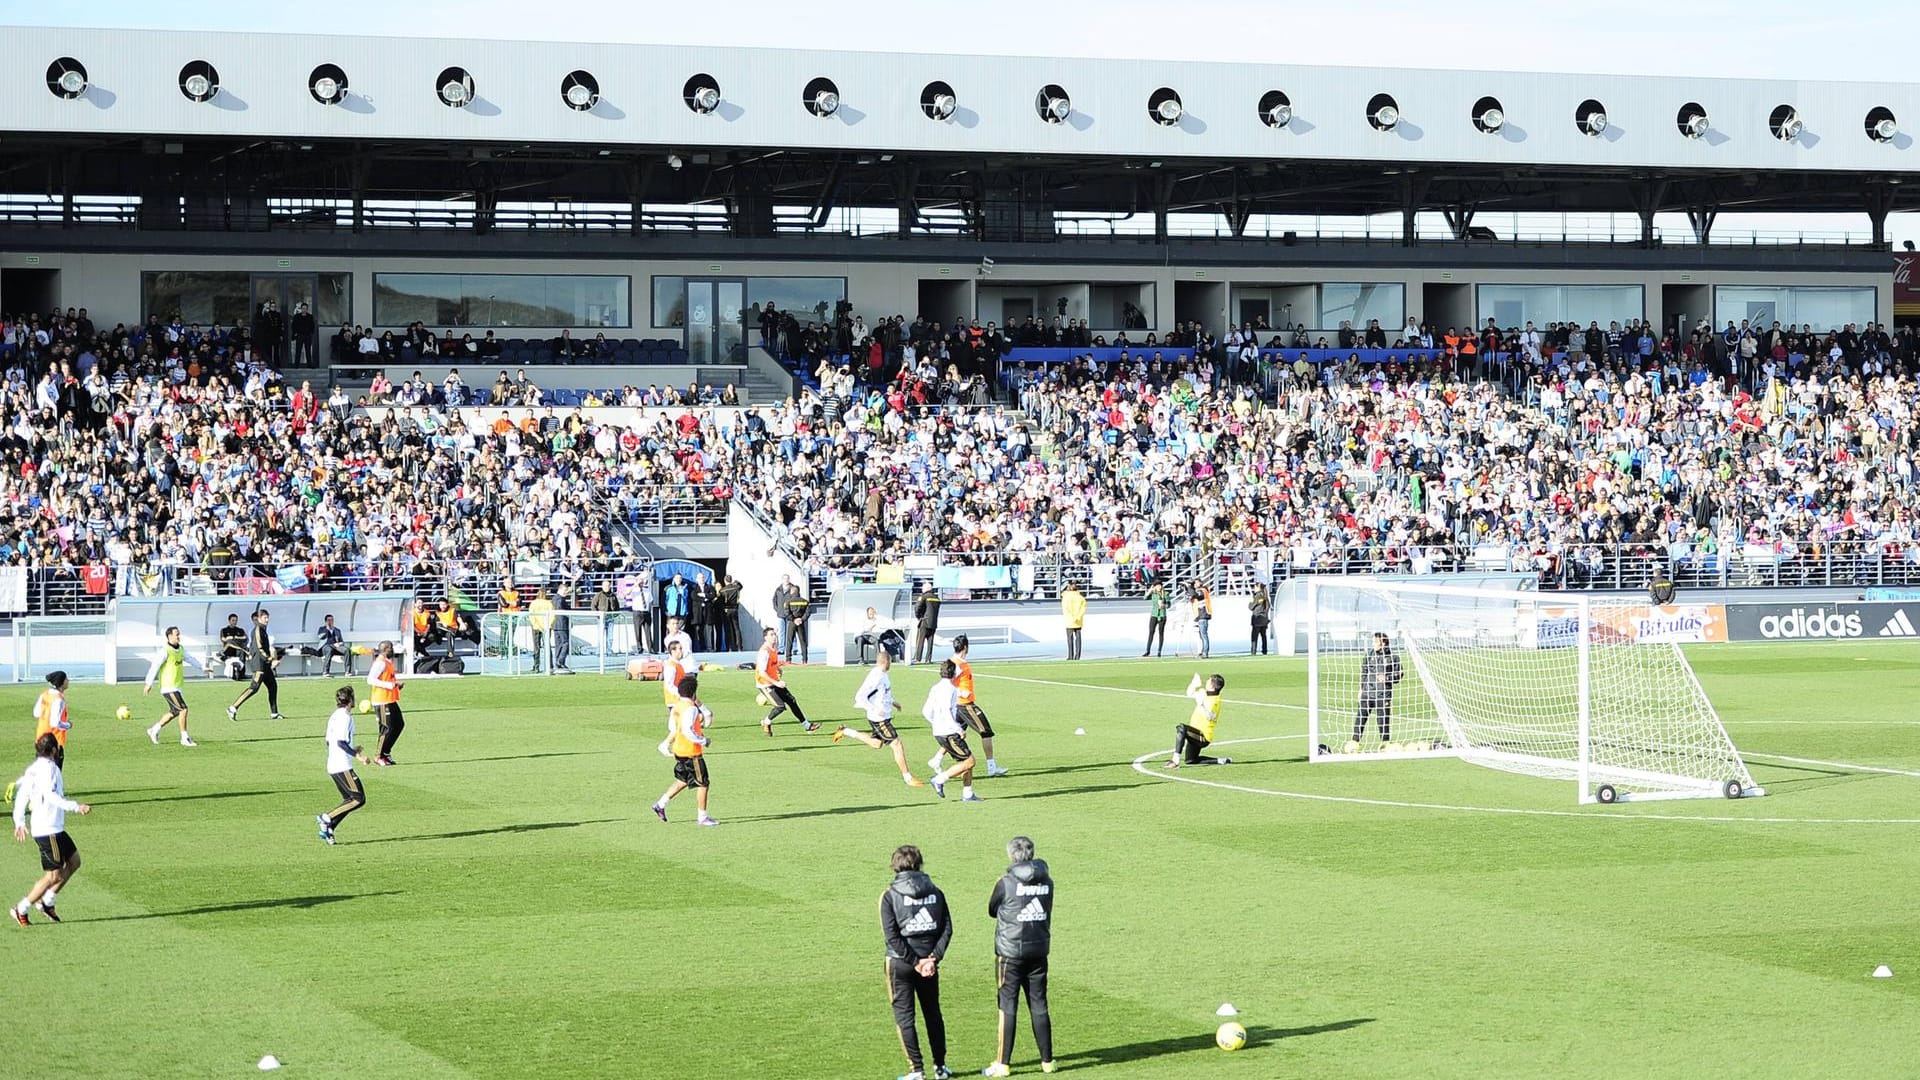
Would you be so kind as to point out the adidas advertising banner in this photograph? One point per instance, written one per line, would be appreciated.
(1823, 622)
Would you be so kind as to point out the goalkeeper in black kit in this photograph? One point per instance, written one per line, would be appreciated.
(1022, 905)
(1380, 672)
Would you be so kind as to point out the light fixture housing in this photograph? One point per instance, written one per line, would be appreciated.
(702, 93)
(1692, 120)
(1882, 125)
(821, 97)
(328, 84)
(1275, 109)
(1383, 112)
(938, 101)
(1053, 104)
(1164, 106)
(676, 162)
(1591, 118)
(580, 91)
(455, 87)
(1488, 115)
(67, 78)
(199, 81)
(1785, 123)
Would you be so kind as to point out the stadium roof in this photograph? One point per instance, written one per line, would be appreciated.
(200, 114)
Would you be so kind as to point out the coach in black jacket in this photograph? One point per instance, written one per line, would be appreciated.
(926, 616)
(917, 926)
(1022, 904)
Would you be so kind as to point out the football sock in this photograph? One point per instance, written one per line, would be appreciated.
(992, 764)
(23, 906)
(966, 789)
(47, 898)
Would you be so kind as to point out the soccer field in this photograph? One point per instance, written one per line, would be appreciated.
(507, 906)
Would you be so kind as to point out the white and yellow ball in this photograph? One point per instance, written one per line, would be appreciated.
(123, 713)
(366, 706)
(1231, 1036)
(1352, 747)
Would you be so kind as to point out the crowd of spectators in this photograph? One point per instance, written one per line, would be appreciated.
(167, 448)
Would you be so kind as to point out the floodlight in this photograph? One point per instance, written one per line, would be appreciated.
(1488, 116)
(938, 101)
(821, 97)
(580, 90)
(1383, 112)
(1275, 110)
(1164, 107)
(66, 78)
(455, 87)
(1053, 104)
(1692, 121)
(1881, 125)
(702, 94)
(328, 84)
(199, 81)
(1785, 123)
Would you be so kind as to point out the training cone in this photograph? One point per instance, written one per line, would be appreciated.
(1883, 972)
(1226, 1010)
(1079, 731)
(269, 1063)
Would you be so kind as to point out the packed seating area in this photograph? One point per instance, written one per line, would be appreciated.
(156, 450)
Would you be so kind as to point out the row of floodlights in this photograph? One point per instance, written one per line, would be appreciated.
(579, 90)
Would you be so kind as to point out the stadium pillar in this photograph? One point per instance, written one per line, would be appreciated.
(359, 182)
(1701, 218)
(1880, 198)
(1413, 192)
(906, 182)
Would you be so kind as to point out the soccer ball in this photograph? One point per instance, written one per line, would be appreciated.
(366, 706)
(760, 698)
(122, 713)
(1231, 1036)
(1389, 748)
(1352, 747)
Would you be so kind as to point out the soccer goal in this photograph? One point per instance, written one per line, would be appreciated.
(1512, 680)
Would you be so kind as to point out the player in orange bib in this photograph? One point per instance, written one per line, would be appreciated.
(969, 709)
(689, 743)
(674, 670)
(383, 682)
(50, 716)
(766, 678)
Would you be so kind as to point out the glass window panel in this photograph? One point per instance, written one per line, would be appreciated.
(1512, 306)
(1121, 307)
(197, 296)
(1822, 307)
(333, 300)
(1361, 302)
(502, 300)
(810, 299)
(669, 302)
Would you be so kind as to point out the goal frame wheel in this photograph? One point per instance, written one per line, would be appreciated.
(1734, 789)
(1605, 795)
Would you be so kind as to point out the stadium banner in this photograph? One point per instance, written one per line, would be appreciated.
(1906, 290)
(1840, 621)
(1891, 592)
(255, 585)
(292, 578)
(1645, 624)
(13, 589)
(973, 577)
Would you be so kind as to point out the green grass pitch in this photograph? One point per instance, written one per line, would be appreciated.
(506, 906)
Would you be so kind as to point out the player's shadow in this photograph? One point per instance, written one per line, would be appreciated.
(1091, 789)
(1088, 767)
(1181, 1044)
(833, 811)
(511, 757)
(300, 902)
(463, 834)
(192, 798)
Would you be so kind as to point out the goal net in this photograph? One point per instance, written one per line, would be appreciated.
(1511, 680)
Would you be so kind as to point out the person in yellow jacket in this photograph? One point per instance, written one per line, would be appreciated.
(690, 742)
(1073, 609)
(540, 618)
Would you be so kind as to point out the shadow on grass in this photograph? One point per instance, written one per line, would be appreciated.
(1091, 789)
(511, 757)
(1095, 766)
(463, 834)
(300, 902)
(799, 815)
(1181, 1044)
(192, 798)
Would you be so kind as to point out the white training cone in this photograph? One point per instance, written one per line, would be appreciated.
(269, 1063)
(1226, 1010)
(1079, 731)
(1883, 972)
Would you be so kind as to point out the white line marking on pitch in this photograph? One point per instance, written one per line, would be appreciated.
(1140, 767)
(1832, 764)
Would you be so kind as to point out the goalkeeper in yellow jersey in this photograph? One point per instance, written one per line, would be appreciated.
(1197, 733)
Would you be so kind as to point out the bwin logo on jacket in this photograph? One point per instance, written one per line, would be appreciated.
(1035, 911)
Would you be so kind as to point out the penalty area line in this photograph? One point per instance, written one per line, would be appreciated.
(1140, 766)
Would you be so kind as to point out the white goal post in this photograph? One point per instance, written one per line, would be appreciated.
(1514, 680)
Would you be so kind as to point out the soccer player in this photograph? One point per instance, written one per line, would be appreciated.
(43, 791)
(671, 673)
(341, 754)
(383, 683)
(170, 668)
(917, 927)
(766, 679)
(50, 716)
(1022, 907)
(262, 661)
(875, 698)
(1193, 736)
(690, 742)
(970, 712)
(942, 712)
(677, 631)
(1380, 672)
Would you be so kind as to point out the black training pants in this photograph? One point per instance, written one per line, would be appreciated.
(1028, 976)
(1156, 628)
(1259, 643)
(391, 725)
(263, 678)
(906, 984)
(1381, 706)
(352, 797)
(1187, 745)
(783, 700)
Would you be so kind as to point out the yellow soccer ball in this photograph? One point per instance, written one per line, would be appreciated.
(123, 713)
(1231, 1036)
(366, 706)
(760, 698)
(1389, 748)
(1352, 747)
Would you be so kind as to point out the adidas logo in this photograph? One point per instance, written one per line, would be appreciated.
(921, 923)
(1035, 911)
(1899, 626)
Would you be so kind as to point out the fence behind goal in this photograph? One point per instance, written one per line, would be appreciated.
(1511, 680)
(516, 643)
